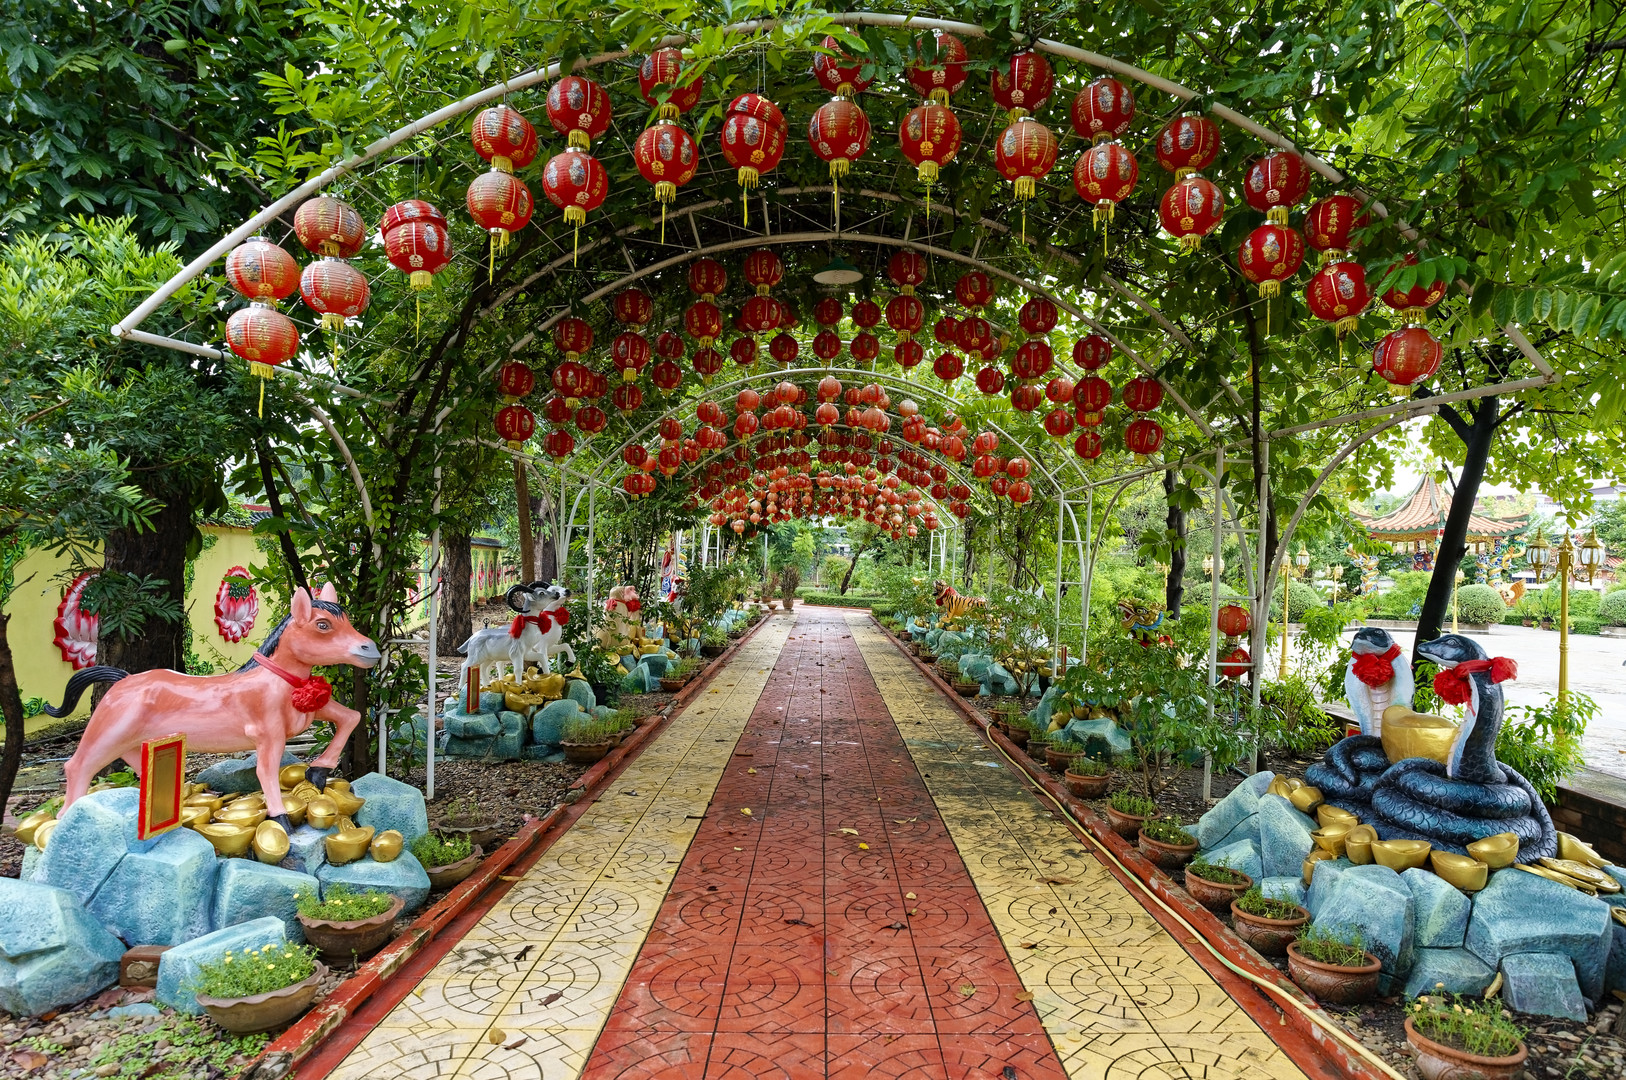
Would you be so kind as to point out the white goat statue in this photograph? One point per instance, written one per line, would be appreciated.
(533, 635)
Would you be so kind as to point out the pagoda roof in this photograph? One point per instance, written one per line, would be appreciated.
(1422, 517)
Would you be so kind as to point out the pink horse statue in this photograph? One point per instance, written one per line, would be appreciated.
(257, 707)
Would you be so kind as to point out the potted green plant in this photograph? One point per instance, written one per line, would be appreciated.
(713, 642)
(465, 817)
(790, 579)
(1332, 964)
(966, 686)
(1087, 778)
(258, 989)
(586, 739)
(678, 675)
(1127, 811)
(446, 859)
(1267, 925)
(1460, 1038)
(602, 671)
(1166, 844)
(1062, 752)
(1214, 886)
(948, 667)
(346, 924)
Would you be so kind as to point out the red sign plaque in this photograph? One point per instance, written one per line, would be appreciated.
(163, 780)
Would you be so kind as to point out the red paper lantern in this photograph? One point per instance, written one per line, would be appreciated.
(1269, 256)
(1337, 293)
(579, 109)
(744, 351)
(745, 424)
(667, 158)
(946, 330)
(559, 442)
(1092, 353)
(991, 381)
(1088, 445)
(504, 137)
(839, 134)
(1104, 177)
(908, 353)
(572, 336)
(501, 204)
(826, 414)
(420, 248)
(760, 314)
(838, 72)
(866, 314)
(1058, 423)
(634, 307)
(329, 226)
(662, 71)
(1024, 154)
(666, 375)
(629, 352)
(557, 410)
(985, 443)
(1033, 359)
(977, 337)
(1024, 85)
(576, 183)
(1407, 357)
(1275, 183)
(1059, 390)
(260, 270)
(409, 210)
(864, 347)
(634, 455)
(669, 346)
(1026, 398)
(263, 336)
(999, 485)
(515, 424)
(1144, 436)
(1143, 394)
(335, 290)
(1415, 301)
(784, 349)
(906, 314)
(706, 363)
(974, 290)
(930, 138)
(591, 419)
(907, 269)
(707, 279)
(572, 380)
(1236, 663)
(1091, 396)
(1190, 210)
(1188, 144)
(948, 367)
(515, 380)
(764, 270)
(1103, 110)
(703, 322)
(826, 345)
(1329, 225)
(1038, 316)
(1233, 620)
(627, 397)
(827, 312)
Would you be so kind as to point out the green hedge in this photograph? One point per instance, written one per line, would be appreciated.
(1479, 604)
(1613, 608)
(878, 604)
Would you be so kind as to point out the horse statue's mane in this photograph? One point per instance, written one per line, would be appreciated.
(268, 647)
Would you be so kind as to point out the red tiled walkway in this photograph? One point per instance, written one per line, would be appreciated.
(832, 931)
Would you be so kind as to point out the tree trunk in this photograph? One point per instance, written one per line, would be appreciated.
(527, 545)
(290, 554)
(852, 561)
(1453, 542)
(456, 616)
(1175, 588)
(11, 704)
(157, 552)
(968, 568)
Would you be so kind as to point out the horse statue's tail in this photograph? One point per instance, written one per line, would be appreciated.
(79, 681)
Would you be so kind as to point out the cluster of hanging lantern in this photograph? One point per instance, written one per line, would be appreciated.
(498, 201)
(665, 153)
(930, 133)
(573, 179)
(839, 131)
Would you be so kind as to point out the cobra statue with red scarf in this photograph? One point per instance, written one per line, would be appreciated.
(1468, 795)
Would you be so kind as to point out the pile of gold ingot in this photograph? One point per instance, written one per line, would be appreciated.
(1578, 866)
(533, 690)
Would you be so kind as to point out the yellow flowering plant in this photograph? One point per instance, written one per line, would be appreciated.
(239, 974)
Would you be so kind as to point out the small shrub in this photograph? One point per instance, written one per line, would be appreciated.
(1220, 875)
(1088, 766)
(1127, 802)
(1258, 904)
(1062, 743)
(1613, 608)
(1340, 947)
(1167, 832)
(1472, 1025)
(343, 905)
(1301, 598)
(1479, 604)
(586, 730)
(255, 971)
(432, 849)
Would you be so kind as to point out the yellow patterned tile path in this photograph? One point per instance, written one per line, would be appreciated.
(525, 994)
(1118, 996)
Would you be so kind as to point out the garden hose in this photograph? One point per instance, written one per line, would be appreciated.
(1316, 1016)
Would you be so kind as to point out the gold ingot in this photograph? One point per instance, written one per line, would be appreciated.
(1328, 814)
(1408, 734)
(1578, 850)
(1580, 871)
(342, 797)
(30, 825)
(270, 842)
(1277, 786)
(1496, 851)
(42, 833)
(1463, 871)
(386, 846)
(228, 839)
(1331, 838)
(304, 790)
(1305, 798)
(247, 817)
(193, 816)
(1554, 875)
(321, 812)
(204, 799)
(291, 775)
(247, 799)
(1358, 844)
(349, 843)
(1401, 855)
(1318, 855)
(1618, 914)
(193, 789)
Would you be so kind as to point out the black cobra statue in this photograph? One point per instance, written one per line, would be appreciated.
(1466, 798)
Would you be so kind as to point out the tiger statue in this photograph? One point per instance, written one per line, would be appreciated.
(955, 606)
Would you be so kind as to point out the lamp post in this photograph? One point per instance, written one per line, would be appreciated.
(1566, 561)
(1336, 572)
(1290, 570)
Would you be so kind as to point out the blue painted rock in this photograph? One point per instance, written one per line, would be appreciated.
(178, 967)
(1322, 876)
(1374, 900)
(89, 841)
(1451, 971)
(247, 890)
(1242, 855)
(578, 691)
(1442, 911)
(237, 774)
(1242, 803)
(1290, 889)
(52, 952)
(1522, 913)
(548, 723)
(390, 804)
(403, 876)
(1543, 984)
(1284, 837)
(307, 850)
(162, 895)
(461, 725)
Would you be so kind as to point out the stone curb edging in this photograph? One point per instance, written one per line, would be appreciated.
(300, 1041)
(1336, 1062)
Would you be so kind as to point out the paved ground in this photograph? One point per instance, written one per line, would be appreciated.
(877, 911)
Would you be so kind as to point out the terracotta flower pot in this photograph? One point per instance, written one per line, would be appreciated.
(1269, 937)
(1125, 825)
(444, 877)
(1087, 785)
(482, 834)
(1166, 856)
(967, 689)
(1437, 1061)
(673, 685)
(586, 753)
(1018, 735)
(264, 1012)
(341, 940)
(1216, 895)
(1060, 760)
(1332, 982)
(712, 652)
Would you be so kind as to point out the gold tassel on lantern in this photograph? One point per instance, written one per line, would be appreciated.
(575, 215)
(748, 178)
(1277, 215)
(1268, 291)
(262, 372)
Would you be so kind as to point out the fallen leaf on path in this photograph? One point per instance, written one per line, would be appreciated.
(750, 772)
(863, 847)
(746, 810)
(1059, 881)
(496, 1036)
(850, 832)
(517, 1043)
(967, 989)
(510, 877)
(1024, 995)
(551, 998)
(1030, 944)
(908, 896)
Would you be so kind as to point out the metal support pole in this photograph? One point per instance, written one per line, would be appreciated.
(1213, 614)
(1061, 549)
(1566, 561)
(1261, 604)
(434, 616)
(592, 523)
(1088, 555)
